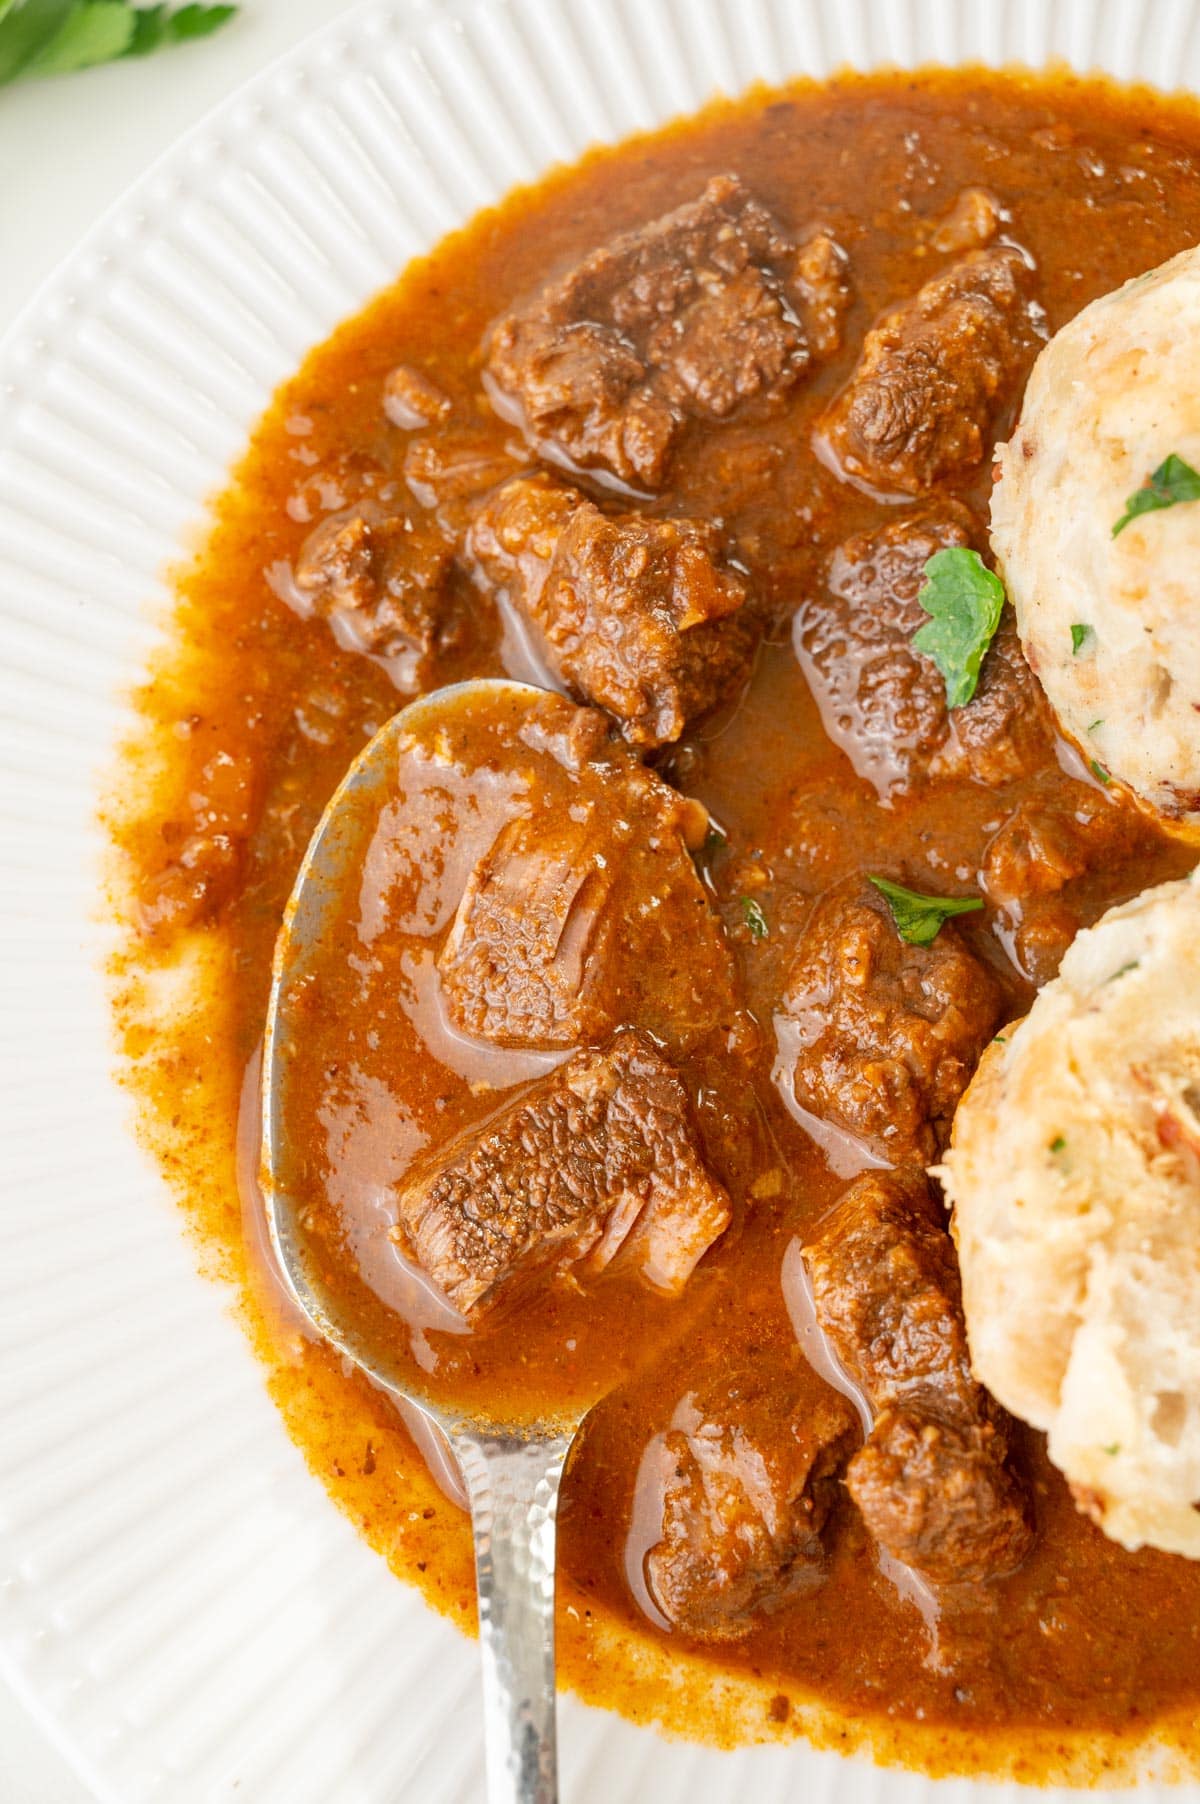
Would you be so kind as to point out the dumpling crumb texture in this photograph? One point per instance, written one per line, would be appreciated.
(1074, 1176)
(1108, 622)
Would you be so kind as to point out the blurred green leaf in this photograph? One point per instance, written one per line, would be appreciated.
(196, 21)
(52, 37)
(24, 29)
(94, 31)
(149, 29)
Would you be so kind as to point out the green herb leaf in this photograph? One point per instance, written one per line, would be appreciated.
(1112, 1450)
(94, 31)
(53, 37)
(1172, 482)
(1058, 1144)
(149, 30)
(25, 29)
(754, 918)
(964, 601)
(196, 22)
(1079, 638)
(1095, 724)
(1122, 970)
(1098, 771)
(919, 919)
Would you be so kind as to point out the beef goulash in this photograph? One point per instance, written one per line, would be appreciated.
(627, 1067)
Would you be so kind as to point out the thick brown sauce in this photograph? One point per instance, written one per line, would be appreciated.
(1085, 1650)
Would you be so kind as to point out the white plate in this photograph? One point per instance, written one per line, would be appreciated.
(181, 1604)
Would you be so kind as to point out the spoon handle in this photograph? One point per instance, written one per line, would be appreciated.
(512, 1485)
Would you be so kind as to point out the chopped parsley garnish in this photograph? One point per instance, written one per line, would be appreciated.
(1112, 1450)
(919, 919)
(754, 918)
(1095, 724)
(714, 839)
(55, 37)
(1172, 482)
(1121, 970)
(1079, 638)
(999, 1040)
(964, 601)
(1058, 1144)
(1098, 771)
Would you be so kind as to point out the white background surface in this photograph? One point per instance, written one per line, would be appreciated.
(69, 148)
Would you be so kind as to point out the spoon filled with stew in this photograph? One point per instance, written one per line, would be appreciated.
(500, 902)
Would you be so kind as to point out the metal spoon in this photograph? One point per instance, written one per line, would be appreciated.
(511, 1474)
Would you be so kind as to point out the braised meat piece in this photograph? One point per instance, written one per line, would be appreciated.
(447, 471)
(601, 1155)
(882, 1036)
(1044, 851)
(821, 284)
(532, 934)
(383, 584)
(747, 1474)
(933, 1481)
(933, 376)
(1006, 729)
(585, 916)
(883, 702)
(412, 399)
(641, 617)
(207, 851)
(691, 315)
(973, 221)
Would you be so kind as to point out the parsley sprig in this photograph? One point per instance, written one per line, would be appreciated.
(919, 919)
(964, 601)
(1172, 482)
(54, 37)
(754, 918)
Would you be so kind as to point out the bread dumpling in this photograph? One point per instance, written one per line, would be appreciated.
(1074, 1176)
(1108, 623)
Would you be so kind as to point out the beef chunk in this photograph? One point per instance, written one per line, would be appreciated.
(412, 399)
(522, 962)
(821, 283)
(1042, 855)
(600, 1155)
(383, 584)
(571, 925)
(585, 913)
(972, 222)
(934, 374)
(882, 702)
(747, 1474)
(641, 617)
(933, 1481)
(448, 470)
(207, 850)
(1052, 838)
(884, 1035)
(935, 1490)
(691, 315)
